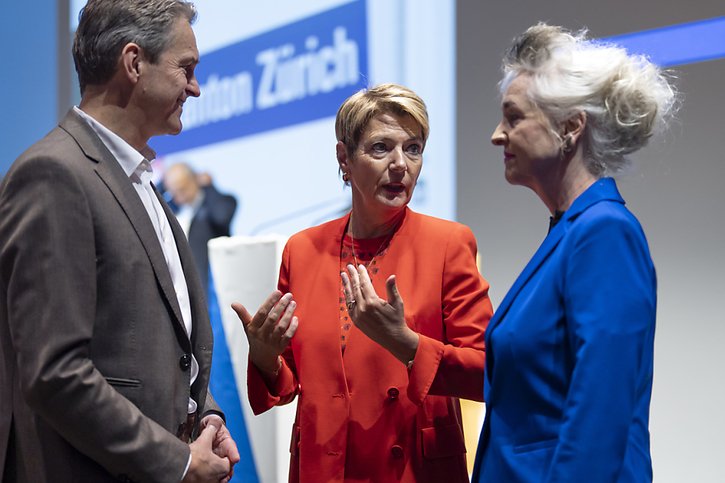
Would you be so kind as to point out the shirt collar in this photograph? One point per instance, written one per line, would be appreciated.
(553, 220)
(136, 165)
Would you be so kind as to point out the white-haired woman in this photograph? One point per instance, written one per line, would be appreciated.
(569, 360)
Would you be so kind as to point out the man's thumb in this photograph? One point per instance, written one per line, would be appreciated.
(207, 435)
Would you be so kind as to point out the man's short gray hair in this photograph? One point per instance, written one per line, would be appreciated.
(106, 26)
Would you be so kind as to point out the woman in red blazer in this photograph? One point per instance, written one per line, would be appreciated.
(377, 383)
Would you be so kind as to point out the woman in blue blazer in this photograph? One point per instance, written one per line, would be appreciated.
(569, 352)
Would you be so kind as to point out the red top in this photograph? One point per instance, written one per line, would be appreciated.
(367, 251)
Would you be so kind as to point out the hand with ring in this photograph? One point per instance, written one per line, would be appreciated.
(381, 320)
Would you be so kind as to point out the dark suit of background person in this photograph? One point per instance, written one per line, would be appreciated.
(212, 212)
(95, 358)
(570, 350)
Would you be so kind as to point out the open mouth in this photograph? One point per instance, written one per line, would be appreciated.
(394, 187)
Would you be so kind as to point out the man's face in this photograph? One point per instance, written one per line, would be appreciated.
(182, 185)
(165, 85)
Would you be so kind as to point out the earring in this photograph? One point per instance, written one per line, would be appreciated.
(345, 177)
(568, 144)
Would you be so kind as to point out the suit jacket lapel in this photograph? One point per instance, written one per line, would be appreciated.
(120, 185)
(193, 282)
(329, 287)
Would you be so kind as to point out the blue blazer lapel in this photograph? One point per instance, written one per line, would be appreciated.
(113, 176)
(545, 249)
(602, 189)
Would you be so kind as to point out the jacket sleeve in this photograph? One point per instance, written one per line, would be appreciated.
(48, 273)
(261, 396)
(211, 407)
(609, 298)
(454, 366)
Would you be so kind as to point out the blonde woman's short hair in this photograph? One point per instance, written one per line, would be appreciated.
(357, 111)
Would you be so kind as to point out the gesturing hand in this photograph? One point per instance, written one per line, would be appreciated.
(381, 320)
(270, 330)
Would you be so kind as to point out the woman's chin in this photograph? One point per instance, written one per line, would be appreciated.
(392, 204)
(396, 199)
(514, 178)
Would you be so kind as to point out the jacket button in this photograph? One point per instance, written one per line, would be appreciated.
(185, 362)
(393, 393)
(397, 451)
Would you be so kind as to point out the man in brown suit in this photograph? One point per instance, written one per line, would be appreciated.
(105, 342)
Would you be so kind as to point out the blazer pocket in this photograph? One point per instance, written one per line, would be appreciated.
(442, 441)
(128, 388)
(535, 446)
(121, 382)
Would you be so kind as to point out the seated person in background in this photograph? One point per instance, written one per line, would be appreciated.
(203, 212)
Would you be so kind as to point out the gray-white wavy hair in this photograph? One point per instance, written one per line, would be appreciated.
(626, 98)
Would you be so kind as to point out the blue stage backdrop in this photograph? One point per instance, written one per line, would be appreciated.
(298, 73)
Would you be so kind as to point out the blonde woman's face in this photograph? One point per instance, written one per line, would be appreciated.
(385, 166)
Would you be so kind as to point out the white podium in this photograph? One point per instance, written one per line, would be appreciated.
(245, 270)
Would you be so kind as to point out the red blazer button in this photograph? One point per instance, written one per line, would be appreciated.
(393, 393)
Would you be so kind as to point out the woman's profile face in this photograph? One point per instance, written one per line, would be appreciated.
(385, 166)
(531, 153)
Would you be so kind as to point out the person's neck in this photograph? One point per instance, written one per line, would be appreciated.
(364, 226)
(107, 108)
(564, 187)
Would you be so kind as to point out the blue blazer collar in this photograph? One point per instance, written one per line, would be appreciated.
(604, 189)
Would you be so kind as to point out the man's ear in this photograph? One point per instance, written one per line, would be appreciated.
(131, 57)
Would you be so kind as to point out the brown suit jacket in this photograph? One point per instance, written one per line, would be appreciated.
(94, 371)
